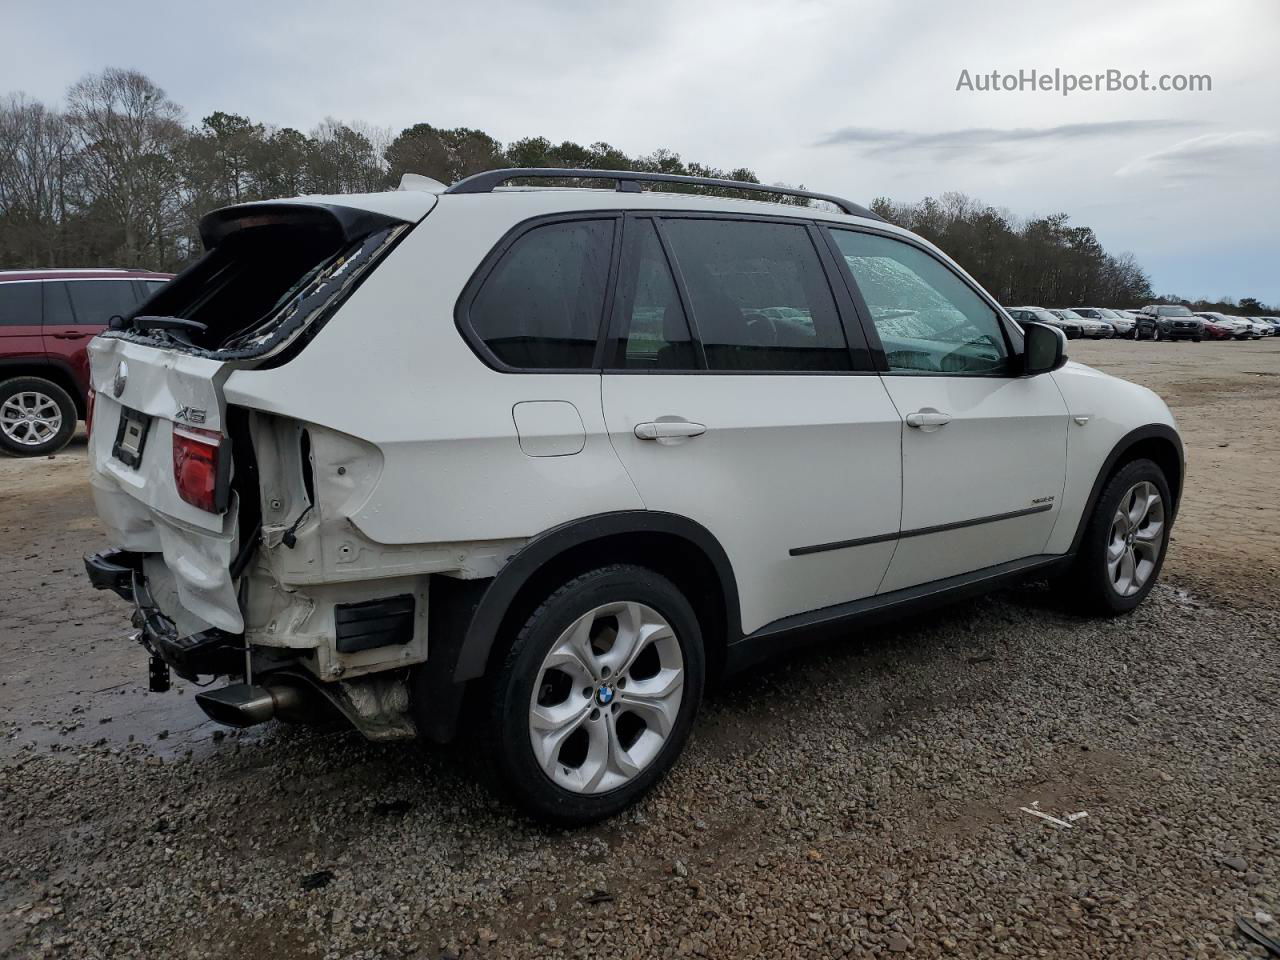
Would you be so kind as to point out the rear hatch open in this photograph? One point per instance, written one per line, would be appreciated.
(164, 477)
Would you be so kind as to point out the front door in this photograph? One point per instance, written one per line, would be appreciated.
(732, 398)
(983, 449)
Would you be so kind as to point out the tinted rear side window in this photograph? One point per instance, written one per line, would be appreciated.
(759, 296)
(541, 305)
(20, 304)
(97, 301)
(652, 328)
(57, 304)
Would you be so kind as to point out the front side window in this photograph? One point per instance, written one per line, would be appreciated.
(759, 296)
(653, 330)
(20, 304)
(541, 305)
(928, 319)
(97, 301)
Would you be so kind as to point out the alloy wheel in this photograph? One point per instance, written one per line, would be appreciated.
(30, 418)
(607, 697)
(1136, 538)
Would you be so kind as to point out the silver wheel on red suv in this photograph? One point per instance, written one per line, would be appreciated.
(37, 417)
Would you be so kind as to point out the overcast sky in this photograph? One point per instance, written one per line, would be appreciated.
(857, 99)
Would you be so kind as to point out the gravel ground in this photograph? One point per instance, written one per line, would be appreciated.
(861, 799)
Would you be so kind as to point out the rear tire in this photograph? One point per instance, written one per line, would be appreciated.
(37, 417)
(1125, 542)
(596, 697)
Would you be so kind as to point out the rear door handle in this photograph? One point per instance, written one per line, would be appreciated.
(928, 419)
(669, 430)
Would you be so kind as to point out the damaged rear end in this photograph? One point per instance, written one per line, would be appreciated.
(200, 496)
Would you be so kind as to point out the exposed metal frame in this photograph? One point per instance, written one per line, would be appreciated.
(629, 182)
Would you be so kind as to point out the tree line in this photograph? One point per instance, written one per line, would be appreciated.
(115, 176)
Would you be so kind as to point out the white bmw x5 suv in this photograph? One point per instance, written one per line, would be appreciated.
(533, 465)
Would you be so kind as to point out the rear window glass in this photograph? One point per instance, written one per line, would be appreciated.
(97, 301)
(19, 304)
(541, 305)
(270, 275)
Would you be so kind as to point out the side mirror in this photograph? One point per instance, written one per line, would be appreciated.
(1044, 348)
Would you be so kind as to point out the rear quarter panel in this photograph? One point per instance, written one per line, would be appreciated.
(391, 368)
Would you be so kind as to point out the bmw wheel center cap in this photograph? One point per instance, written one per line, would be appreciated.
(604, 695)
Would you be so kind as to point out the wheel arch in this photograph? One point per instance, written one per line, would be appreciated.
(1157, 442)
(51, 370)
(676, 547)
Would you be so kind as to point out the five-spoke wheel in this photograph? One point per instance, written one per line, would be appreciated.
(596, 696)
(607, 697)
(1137, 537)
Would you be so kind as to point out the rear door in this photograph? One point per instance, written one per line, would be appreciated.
(734, 397)
(75, 311)
(983, 449)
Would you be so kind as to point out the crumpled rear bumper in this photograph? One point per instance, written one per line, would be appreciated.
(211, 651)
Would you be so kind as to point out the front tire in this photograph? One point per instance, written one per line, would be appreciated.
(596, 697)
(1125, 542)
(37, 417)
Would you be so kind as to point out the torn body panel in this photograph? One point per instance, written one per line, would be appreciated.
(313, 559)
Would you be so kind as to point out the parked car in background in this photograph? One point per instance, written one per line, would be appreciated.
(1215, 329)
(1121, 325)
(1274, 322)
(1259, 326)
(47, 317)
(1092, 329)
(1174, 322)
(1072, 329)
(1240, 328)
(548, 555)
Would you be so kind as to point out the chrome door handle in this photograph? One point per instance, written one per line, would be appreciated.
(928, 418)
(669, 430)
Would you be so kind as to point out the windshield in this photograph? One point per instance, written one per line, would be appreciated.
(1175, 312)
(1044, 316)
(1070, 315)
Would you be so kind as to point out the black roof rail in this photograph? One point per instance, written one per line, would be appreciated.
(629, 182)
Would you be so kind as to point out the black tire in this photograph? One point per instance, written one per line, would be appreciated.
(1196, 339)
(1089, 587)
(505, 714)
(39, 387)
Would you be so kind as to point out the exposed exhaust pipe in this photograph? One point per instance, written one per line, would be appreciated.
(243, 704)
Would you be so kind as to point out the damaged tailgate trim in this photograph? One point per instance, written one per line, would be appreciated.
(308, 311)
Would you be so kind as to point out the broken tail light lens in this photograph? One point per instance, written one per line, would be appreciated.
(196, 470)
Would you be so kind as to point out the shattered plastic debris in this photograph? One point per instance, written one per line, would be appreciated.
(1071, 818)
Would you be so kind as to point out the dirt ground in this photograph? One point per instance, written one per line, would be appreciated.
(864, 799)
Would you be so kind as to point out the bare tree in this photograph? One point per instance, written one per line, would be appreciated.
(36, 158)
(129, 134)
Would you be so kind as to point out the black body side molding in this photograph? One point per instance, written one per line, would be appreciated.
(789, 633)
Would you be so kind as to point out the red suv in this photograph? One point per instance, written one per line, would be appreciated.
(47, 318)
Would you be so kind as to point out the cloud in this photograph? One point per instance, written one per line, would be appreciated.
(873, 140)
(1210, 154)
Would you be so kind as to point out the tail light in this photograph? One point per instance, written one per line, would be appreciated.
(200, 470)
(88, 410)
